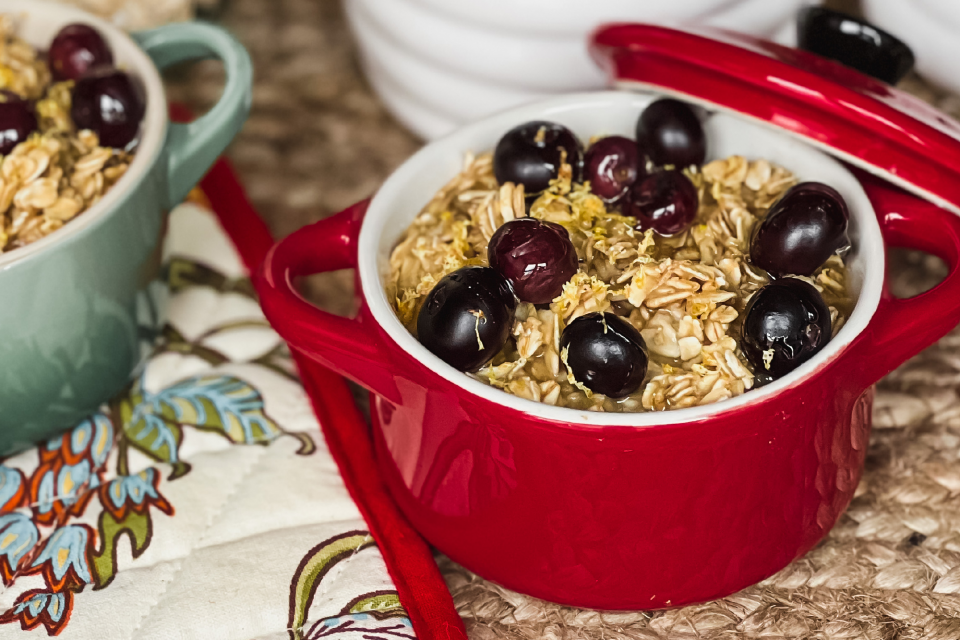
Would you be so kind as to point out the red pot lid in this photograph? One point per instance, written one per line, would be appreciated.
(852, 116)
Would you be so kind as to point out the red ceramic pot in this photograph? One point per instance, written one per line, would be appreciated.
(617, 511)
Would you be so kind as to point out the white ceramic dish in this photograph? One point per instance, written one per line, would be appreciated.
(405, 107)
(947, 12)
(536, 62)
(454, 95)
(929, 33)
(568, 17)
(451, 64)
(776, 21)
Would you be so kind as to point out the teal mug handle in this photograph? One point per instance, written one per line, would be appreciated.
(193, 148)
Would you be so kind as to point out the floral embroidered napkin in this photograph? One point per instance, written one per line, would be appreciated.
(200, 503)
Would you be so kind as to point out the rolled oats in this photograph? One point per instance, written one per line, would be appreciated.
(685, 294)
(58, 172)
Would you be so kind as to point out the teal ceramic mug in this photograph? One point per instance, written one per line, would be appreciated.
(80, 308)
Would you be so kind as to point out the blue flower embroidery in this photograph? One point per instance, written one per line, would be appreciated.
(52, 603)
(64, 559)
(75, 478)
(69, 485)
(362, 626)
(70, 467)
(92, 438)
(135, 493)
(12, 488)
(102, 440)
(37, 606)
(18, 536)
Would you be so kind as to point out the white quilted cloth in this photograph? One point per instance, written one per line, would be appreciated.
(202, 503)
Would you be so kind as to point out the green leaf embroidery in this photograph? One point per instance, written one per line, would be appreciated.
(219, 403)
(314, 567)
(184, 274)
(174, 341)
(138, 528)
(307, 445)
(179, 470)
(278, 360)
(152, 432)
(382, 603)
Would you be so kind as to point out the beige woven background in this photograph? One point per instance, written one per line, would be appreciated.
(318, 140)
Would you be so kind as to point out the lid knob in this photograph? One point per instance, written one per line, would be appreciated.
(853, 42)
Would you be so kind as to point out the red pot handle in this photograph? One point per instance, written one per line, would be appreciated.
(902, 328)
(349, 346)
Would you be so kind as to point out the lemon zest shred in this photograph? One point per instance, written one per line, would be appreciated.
(570, 377)
(767, 358)
(479, 316)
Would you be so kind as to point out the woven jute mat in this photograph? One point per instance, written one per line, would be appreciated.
(318, 140)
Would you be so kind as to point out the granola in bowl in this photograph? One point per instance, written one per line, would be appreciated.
(69, 123)
(680, 287)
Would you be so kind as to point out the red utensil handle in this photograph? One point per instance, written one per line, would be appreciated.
(349, 346)
(902, 328)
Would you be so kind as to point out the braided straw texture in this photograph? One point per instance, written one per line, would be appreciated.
(318, 140)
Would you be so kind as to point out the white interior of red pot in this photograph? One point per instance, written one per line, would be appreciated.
(38, 22)
(405, 193)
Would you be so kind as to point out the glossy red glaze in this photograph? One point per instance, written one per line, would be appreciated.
(861, 119)
(618, 517)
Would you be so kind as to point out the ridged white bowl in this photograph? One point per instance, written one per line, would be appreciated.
(930, 28)
(420, 119)
(571, 17)
(437, 64)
